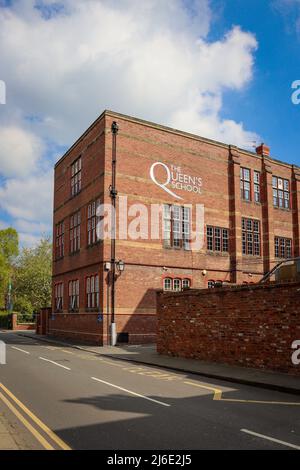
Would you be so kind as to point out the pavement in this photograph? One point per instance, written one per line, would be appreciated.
(63, 397)
(147, 354)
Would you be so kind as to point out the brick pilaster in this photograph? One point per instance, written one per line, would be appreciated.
(268, 217)
(295, 201)
(235, 216)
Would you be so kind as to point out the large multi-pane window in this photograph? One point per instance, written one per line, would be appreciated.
(283, 247)
(177, 226)
(59, 240)
(76, 177)
(75, 232)
(92, 291)
(74, 295)
(176, 284)
(245, 184)
(256, 186)
(281, 192)
(217, 238)
(251, 237)
(59, 296)
(92, 222)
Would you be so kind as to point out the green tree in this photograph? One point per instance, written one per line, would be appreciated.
(32, 283)
(9, 246)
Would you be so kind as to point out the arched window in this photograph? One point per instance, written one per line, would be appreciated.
(167, 283)
(177, 285)
(186, 283)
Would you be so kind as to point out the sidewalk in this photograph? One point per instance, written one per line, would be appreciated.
(7, 439)
(147, 355)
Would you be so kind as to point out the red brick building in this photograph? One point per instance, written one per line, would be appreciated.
(251, 206)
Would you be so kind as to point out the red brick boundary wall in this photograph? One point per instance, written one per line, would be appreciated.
(251, 326)
(81, 327)
(20, 326)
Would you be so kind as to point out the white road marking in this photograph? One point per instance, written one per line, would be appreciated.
(19, 349)
(129, 391)
(262, 436)
(53, 362)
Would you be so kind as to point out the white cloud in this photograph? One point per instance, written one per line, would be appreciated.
(28, 240)
(67, 61)
(29, 199)
(141, 58)
(32, 227)
(20, 151)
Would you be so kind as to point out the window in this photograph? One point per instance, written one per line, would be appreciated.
(92, 291)
(59, 296)
(256, 186)
(93, 220)
(186, 283)
(177, 226)
(283, 247)
(281, 192)
(210, 284)
(75, 232)
(250, 237)
(177, 284)
(59, 242)
(76, 177)
(245, 184)
(217, 239)
(74, 295)
(168, 283)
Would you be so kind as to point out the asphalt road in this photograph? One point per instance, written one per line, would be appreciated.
(92, 402)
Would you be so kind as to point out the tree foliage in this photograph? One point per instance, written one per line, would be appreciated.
(9, 244)
(32, 280)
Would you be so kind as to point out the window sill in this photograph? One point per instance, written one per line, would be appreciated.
(72, 253)
(94, 244)
(282, 209)
(59, 259)
(218, 253)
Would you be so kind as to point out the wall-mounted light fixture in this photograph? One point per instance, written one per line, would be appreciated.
(120, 265)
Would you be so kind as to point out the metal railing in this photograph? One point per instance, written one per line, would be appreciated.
(278, 265)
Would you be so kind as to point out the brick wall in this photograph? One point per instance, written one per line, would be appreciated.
(251, 326)
(79, 327)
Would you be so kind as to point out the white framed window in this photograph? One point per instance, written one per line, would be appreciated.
(75, 221)
(76, 177)
(256, 186)
(245, 184)
(281, 192)
(74, 295)
(92, 221)
(177, 226)
(168, 284)
(59, 296)
(92, 291)
(176, 284)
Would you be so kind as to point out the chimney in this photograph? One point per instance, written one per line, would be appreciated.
(263, 150)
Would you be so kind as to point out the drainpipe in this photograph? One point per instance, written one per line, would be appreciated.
(113, 195)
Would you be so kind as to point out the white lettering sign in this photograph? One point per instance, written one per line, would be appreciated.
(176, 179)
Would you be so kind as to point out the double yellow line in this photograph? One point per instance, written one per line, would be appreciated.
(23, 413)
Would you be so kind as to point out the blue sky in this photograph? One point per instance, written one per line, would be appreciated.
(265, 104)
(220, 68)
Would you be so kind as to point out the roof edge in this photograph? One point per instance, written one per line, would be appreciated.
(162, 127)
